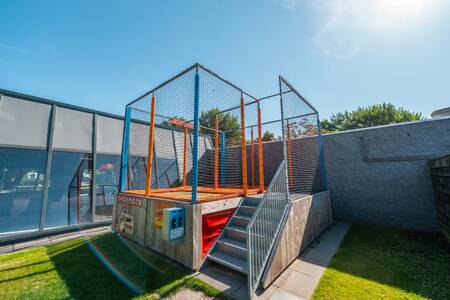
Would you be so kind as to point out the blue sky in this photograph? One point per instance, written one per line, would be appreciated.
(340, 54)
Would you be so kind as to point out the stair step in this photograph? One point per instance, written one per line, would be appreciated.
(230, 261)
(239, 235)
(239, 222)
(249, 201)
(243, 217)
(244, 210)
(234, 243)
(237, 228)
(228, 246)
(250, 207)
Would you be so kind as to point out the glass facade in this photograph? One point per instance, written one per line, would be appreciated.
(31, 130)
(70, 189)
(22, 176)
(107, 173)
(78, 192)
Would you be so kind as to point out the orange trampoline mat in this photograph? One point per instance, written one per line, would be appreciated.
(204, 194)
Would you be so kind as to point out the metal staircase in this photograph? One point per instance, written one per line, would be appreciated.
(230, 248)
(246, 242)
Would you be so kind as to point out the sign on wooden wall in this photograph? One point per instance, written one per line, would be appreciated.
(130, 200)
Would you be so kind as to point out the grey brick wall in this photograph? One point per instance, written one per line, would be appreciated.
(380, 175)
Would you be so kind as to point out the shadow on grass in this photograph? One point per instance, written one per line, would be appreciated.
(414, 262)
(23, 266)
(87, 278)
(25, 276)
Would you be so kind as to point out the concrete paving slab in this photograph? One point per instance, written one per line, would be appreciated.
(6, 249)
(32, 244)
(297, 283)
(325, 247)
(184, 294)
(227, 281)
(307, 268)
(302, 276)
(240, 293)
(285, 295)
(49, 240)
(66, 237)
(268, 293)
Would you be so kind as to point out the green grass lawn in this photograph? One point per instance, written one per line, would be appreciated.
(384, 263)
(74, 270)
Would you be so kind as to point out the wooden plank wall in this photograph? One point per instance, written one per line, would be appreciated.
(308, 217)
(138, 214)
(186, 250)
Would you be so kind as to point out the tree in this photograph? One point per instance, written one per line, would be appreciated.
(228, 124)
(268, 136)
(375, 115)
(303, 127)
(167, 123)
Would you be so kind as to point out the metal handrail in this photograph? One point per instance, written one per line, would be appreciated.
(265, 226)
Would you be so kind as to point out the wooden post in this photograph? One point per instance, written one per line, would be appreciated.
(289, 150)
(252, 156)
(185, 157)
(151, 138)
(260, 154)
(216, 154)
(244, 148)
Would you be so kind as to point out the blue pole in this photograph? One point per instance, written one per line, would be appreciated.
(323, 169)
(195, 146)
(125, 149)
(222, 158)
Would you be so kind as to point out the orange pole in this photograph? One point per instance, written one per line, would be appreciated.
(148, 179)
(252, 156)
(216, 155)
(244, 148)
(260, 154)
(185, 156)
(289, 149)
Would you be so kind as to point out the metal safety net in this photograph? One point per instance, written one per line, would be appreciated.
(185, 139)
(303, 145)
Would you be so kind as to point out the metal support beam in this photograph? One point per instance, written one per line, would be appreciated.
(94, 164)
(283, 137)
(196, 132)
(51, 130)
(125, 149)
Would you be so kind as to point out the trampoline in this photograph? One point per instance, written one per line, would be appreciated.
(207, 131)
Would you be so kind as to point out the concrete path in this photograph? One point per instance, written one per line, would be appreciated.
(232, 284)
(298, 281)
(53, 239)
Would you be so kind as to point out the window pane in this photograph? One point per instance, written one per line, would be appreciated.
(69, 196)
(22, 176)
(106, 184)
